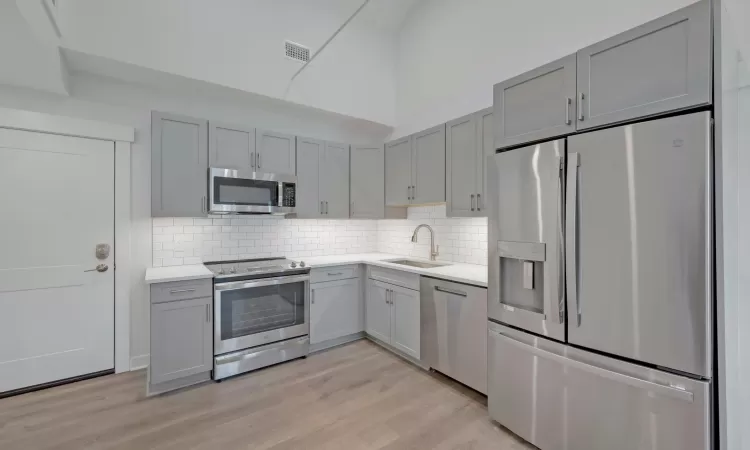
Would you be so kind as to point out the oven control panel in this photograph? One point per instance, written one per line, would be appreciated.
(289, 192)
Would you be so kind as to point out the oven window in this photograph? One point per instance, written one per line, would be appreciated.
(237, 191)
(260, 309)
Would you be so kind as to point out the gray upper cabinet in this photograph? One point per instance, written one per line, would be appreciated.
(181, 339)
(536, 105)
(462, 155)
(334, 180)
(323, 179)
(428, 166)
(486, 136)
(367, 186)
(179, 166)
(398, 172)
(231, 146)
(309, 201)
(276, 152)
(469, 140)
(661, 66)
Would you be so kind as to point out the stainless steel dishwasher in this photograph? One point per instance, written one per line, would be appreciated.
(454, 330)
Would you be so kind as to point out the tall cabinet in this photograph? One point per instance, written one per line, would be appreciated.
(179, 166)
(415, 168)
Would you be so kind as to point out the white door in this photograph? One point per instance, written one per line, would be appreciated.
(57, 203)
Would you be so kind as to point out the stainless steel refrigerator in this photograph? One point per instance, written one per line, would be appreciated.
(601, 287)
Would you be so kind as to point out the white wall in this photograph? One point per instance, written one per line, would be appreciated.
(451, 53)
(239, 44)
(108, 101)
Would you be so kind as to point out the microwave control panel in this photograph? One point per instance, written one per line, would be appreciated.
(289, 191)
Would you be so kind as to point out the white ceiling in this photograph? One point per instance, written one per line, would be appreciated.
(388, 14)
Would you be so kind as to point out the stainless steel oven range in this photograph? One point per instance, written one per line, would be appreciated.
(261, 313)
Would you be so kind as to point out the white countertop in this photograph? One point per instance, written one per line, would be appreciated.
(177, 273)
(458, 272)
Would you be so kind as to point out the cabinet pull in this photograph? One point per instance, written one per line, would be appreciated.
(335, 274)
(177, 291)
(580, 106)
(203, 204)
(312, 297)
(252, 159)
(408, 192)
(568, 101)
(326, 207)
(258, 160)
(472, 202)
(479, 203)
(321, 207)
(208, 313)
(451, 291)
(413, 192)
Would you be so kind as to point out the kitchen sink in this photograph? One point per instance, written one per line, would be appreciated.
(420, 264)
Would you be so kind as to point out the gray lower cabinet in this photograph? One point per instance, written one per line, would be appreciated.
(323, 178)
(661, 66)
(392, 316)
(179, 166)
(181, 339)
(367, 185)
(231, 146)
(415, 168)
(336, 310)
(536, 105)
(277, 152)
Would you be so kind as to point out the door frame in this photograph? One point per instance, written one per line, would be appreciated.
(121, 137)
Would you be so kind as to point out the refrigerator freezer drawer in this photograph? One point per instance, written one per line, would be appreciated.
(560, 397)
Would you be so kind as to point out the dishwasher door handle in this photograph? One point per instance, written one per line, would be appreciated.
(451, 291)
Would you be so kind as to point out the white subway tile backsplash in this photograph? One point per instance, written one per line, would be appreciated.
(178, 241)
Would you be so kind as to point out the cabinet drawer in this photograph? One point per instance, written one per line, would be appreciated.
(181, 290)
(334, 273)
(397, 277)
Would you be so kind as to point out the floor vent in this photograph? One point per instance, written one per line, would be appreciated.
(296, 52)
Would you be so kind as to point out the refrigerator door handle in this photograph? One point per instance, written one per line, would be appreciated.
(674, 392)
(571, 233)
(560, 241)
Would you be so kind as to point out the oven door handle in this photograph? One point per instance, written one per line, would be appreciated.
(234, 285)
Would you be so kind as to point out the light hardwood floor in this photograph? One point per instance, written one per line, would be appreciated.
(358, 396)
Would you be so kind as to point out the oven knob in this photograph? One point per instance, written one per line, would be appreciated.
(221, 271)
(302, 264)
(293, 264)
(232, 270)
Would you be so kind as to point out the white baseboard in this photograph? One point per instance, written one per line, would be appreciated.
(139, 362)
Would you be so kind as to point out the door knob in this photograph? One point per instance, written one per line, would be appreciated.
(99, 268)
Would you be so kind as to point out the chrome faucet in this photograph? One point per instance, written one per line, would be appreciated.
(433, 248)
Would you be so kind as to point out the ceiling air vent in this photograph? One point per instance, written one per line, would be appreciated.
(296, 52)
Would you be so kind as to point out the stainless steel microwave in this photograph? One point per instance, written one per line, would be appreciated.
(234, 191)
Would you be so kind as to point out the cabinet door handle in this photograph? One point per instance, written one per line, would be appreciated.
(408, 192)
(413, 192)
(321, 207)
(252, 159)
(177, 291)
(580, 106)
(257, 161)
(208, 313)
(479, 203)
(335, 274)
(326, 207)
(472, 202)
(568, 101)
(203, 204)
(312, 297)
